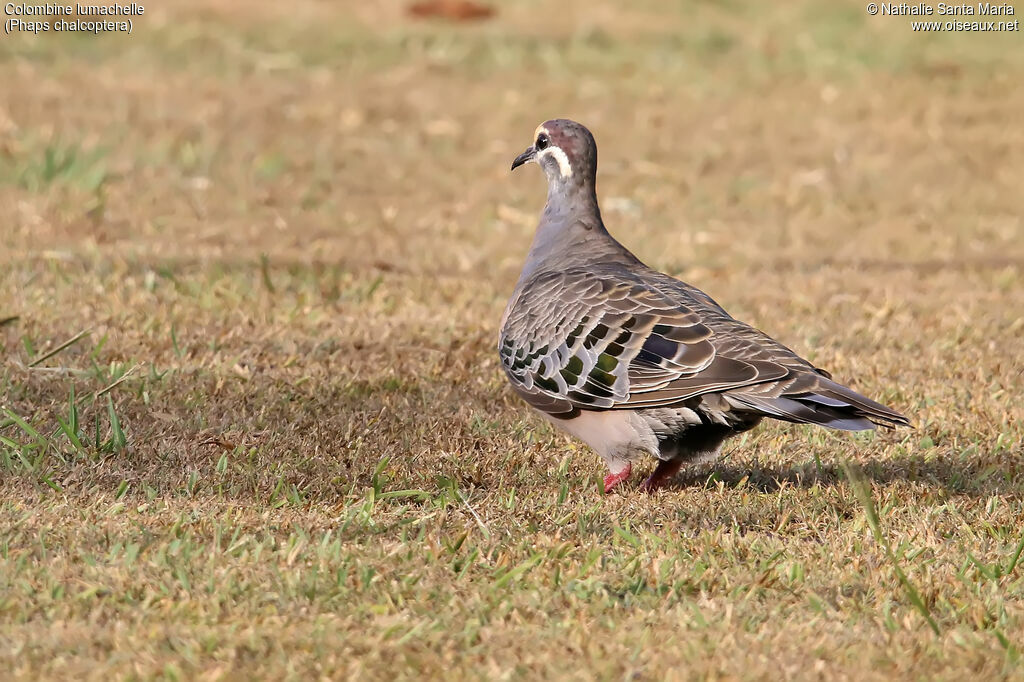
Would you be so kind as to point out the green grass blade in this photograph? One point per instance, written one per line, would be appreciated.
(117, 437)
(1016, 557)
(24, 426)
(71, 435)
(863, 492)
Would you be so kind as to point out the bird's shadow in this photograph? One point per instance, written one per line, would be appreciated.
(954, 476)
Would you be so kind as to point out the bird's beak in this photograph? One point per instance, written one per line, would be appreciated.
(525, 157)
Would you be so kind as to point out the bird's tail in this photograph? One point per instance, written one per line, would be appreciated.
(826, 403)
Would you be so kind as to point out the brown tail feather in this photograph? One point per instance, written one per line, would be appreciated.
(863, 406)
(826, 403)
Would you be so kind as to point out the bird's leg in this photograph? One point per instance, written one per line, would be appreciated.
(612, 480)
(666, 469)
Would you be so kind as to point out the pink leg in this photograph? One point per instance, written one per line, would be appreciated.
(612, 480)
(666, 469)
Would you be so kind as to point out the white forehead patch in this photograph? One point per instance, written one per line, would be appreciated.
(563, 161)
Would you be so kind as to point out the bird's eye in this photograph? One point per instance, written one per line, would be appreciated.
(542, 142)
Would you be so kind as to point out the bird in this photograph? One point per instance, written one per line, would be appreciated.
(634, 362)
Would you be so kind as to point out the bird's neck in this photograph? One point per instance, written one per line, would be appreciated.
(571, 232)
(569, 201)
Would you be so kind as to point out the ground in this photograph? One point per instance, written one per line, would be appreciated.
(281, 236)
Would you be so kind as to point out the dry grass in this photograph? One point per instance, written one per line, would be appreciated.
(289, 231)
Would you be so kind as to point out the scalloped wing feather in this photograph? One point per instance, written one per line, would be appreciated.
(576, 340)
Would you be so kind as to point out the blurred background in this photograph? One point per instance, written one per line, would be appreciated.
(380, 133)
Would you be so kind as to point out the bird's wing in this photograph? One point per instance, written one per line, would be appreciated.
(579, 340)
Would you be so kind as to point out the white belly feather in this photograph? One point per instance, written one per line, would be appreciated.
(621, 436)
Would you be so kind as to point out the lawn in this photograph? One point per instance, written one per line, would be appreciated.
(253, 258)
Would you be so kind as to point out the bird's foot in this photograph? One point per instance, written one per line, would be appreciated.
(612, 480)
(666, 469)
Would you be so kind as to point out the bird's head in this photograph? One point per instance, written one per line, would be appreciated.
(565, 150)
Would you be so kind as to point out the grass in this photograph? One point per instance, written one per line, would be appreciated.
(251, 418)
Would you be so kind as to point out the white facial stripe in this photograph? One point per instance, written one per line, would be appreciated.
(563, 161)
